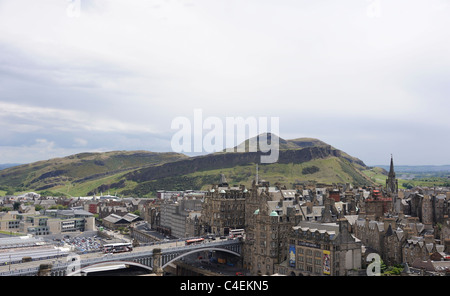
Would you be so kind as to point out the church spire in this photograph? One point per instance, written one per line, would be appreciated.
(391, 169)
(391, 181)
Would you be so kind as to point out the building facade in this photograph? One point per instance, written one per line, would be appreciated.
(270, 215)
(322, 249)
(178, 218)
(223, 209)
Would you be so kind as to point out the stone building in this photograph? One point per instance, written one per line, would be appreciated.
(421, 248)
(429, 207)
(377, 205)
(445, 229)
(400, 239)
(322, 249)
(385, 237)
(270, 216)
(179, 217)
(223, 209)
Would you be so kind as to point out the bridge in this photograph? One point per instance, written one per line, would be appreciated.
(154, 260)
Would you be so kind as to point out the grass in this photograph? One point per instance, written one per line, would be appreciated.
(331, 170)
(83, 188)
(59, 175)
(12, 233)
(376, 175)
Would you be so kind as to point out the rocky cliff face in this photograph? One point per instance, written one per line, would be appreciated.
(231, 159)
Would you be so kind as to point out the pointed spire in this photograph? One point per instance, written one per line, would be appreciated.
(391, 181)
(391, 169)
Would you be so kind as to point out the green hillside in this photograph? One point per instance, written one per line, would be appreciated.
(79, 169)
(326, 171)
(141, 173)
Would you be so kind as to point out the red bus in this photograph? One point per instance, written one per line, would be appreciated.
(194, 241)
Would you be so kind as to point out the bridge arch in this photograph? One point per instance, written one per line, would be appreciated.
(200, 250)
(106, 263)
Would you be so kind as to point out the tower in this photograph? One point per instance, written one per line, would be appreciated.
(391, 181)
(223, 181)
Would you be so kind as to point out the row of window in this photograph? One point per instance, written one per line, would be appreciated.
(310, 268)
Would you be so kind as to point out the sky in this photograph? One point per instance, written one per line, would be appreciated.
(369, 77)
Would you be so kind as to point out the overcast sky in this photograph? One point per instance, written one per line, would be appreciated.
(370, 77)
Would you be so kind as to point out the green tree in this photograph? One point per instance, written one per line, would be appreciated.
(16, 206)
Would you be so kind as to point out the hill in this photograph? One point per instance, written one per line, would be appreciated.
(8, 165)
(141, 173)
(300, 161)
(79, 168)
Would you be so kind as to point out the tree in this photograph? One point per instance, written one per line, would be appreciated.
(393, 270)
(16, 206)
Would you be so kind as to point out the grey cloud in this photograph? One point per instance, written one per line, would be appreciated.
(116, 76)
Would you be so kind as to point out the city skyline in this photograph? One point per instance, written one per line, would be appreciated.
(367, 77)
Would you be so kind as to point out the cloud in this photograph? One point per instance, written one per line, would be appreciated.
(80, 142)
(122, 70)
(40, 149)
(39, 118)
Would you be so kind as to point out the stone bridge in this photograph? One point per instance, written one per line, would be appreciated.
(154, 260)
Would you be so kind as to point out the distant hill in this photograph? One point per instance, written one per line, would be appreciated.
(300, 161)
(79, 168)
(418, 168)
(142, 173)
(8, 165)
(295, 144)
